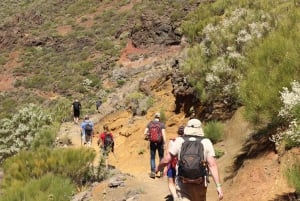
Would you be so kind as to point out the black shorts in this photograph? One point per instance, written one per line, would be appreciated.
(76, 113)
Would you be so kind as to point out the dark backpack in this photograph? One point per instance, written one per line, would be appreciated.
(88, 128)
(76, 106)
(155, 132)
(98, 103)
(108, 141)
(192, 166)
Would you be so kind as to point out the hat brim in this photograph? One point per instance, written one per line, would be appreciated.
(193, 131)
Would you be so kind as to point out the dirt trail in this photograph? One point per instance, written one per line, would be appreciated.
(132, 153)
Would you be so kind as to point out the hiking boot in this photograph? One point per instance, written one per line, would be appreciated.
(152, 175)
(160, 174)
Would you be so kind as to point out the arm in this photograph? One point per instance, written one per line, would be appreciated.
(164, 162)
(164, 138)
(212, 165)
(146, 133)
(82, 127)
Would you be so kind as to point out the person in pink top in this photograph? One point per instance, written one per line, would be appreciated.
(171, 167)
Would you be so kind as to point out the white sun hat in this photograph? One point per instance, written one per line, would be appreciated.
(194, 127)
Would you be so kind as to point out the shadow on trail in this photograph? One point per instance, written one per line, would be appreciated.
(256, 145)
(287, 197)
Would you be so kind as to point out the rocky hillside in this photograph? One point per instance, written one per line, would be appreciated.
(131, 54)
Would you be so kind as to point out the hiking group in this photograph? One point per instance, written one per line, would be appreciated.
(190, 159)
(105, 138)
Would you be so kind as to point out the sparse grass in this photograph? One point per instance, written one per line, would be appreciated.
(141, 151)
(293, 176)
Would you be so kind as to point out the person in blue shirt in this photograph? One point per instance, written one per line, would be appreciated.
(87, 131)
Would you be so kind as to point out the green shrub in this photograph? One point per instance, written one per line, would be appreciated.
(219, 153)
(290, 143)
(48, 187)
(70, 163)
(45, 137)
(3, 59)
(293, 175)
(214, 131)
(60, 109)
(135, 96)
(121, 82)
(221, 38)
(163, 117)
(272, 65)
(19, 132)
(105, 45)
(149, 102)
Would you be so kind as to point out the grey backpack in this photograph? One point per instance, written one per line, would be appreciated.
(192, 165)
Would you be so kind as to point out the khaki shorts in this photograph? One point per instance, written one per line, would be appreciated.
(191, 192)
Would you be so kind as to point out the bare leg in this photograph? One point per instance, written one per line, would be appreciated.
(172, 188)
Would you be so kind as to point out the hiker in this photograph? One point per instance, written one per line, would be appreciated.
(171, 167)
(106, 142)
(191, 183)
(76, 107)
(98, 104)
(87, 131)
(155, 133)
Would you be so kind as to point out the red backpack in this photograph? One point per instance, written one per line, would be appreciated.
(155, 132)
